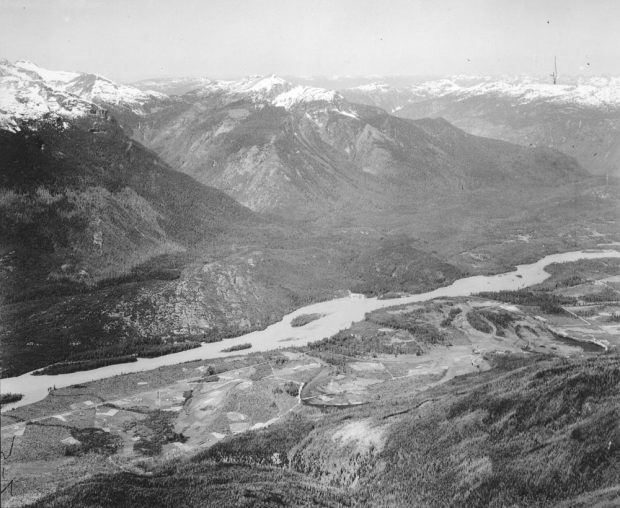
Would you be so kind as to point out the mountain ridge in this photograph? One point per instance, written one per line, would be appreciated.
(580, 118)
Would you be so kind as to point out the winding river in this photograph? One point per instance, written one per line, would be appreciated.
(338, 314)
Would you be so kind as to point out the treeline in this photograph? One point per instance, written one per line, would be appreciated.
(65, 286)
(156, 430)
(304, 319)
(480, 319)
(451, 315)
(93, 440)
(238, 347)
(476, 321)
(350, 344)
(140, 348)
(68, 367)
(9, 398)
(166, 349)
(500, 318)
(89, 360)
(422, 331)
(606, 295)
(270, 446)
(199, 485)
(140, 276)
(548, 303)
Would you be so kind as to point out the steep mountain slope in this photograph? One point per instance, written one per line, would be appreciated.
(580, 118)
(105, 249)
(279, 147)
(97, 202)
(95, 227)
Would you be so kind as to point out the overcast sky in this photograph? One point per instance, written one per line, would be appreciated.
(127, 40)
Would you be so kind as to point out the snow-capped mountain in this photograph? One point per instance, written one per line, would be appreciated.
(274, 89)
(580, 116)
(172, 86)
(260, 87)
(25, 66)
(270, 89)
(25, 95)
(30, 92)
(97, 88)
(93, 87)
(593, 92)
(304, 94)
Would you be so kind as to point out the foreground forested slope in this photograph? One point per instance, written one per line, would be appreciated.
(530, 432)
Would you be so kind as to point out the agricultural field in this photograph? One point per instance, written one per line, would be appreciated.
(593, 289)
(133, 422)
(429, 344)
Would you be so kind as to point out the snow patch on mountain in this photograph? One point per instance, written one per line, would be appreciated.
(593, 92)
(374, 87)
(99, 89)
(46, 74)
(271, 89)
(597, 92)
(305, 94)
(25, 96)
(263, 84)
(30, 92)
(257, 87)
(172, 86)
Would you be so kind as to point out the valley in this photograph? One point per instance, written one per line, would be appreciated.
(259, 292)
(335, 315)
(108, 252)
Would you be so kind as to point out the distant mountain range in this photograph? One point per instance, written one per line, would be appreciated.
(277, 146)
(303, 151)
(580, 117)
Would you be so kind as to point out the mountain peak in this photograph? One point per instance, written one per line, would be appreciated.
(269, 83)
(260, 87)
(305, 94)
(272, 89)
(46, 74)
(30, 92)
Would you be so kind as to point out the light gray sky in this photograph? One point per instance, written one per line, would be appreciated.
(127, 40)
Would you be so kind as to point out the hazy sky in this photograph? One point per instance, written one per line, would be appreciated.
(132, 39)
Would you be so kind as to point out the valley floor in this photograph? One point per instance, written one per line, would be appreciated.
(351, 392)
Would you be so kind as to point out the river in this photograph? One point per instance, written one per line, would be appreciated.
(338, 314)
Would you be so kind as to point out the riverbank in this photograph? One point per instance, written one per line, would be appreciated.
(338, 314)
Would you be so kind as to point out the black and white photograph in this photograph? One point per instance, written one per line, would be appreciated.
(310, 253)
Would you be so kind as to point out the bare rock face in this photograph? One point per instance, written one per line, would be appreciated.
(211, 297)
